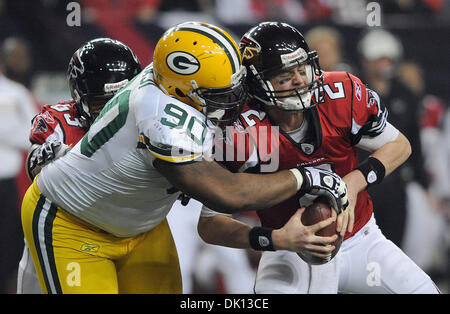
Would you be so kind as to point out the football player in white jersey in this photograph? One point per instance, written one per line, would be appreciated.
(94, 219)
(60, 126)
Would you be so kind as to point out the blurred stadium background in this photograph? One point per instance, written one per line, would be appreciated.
(37, 41)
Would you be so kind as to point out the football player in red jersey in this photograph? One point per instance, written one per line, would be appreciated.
(93, 80)
(301, 116)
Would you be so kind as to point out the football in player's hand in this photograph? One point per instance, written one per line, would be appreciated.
(314, 213)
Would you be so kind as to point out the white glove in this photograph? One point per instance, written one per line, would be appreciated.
(325, 183)
(41, 155)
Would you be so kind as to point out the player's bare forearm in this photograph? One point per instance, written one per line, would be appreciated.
(225, 231)
(227, 192)
(394, 153)
(293, 236)
(391, 155)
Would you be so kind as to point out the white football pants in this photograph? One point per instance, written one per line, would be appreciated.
(366, 263)
(27, 280)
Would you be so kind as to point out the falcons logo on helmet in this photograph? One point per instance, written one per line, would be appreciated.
(76, 66)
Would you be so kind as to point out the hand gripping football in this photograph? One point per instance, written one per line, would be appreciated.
(314, 213)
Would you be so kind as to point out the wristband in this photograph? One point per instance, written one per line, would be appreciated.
(260, 239)
(373, 171)
(298, 176)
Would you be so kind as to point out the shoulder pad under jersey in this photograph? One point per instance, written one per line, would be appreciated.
(171, 130)
(57, 122)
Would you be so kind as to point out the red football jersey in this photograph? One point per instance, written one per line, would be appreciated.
(335, 126)
(57, 123)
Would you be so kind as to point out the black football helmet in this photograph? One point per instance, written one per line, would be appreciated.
(96, 71)
(271, 48)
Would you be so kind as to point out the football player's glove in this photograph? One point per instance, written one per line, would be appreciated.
(325, 183)
(41, 155)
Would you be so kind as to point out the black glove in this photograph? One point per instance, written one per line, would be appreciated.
(325, 183)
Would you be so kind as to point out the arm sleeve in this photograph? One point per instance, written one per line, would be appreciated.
(372, 143)
(369, 114)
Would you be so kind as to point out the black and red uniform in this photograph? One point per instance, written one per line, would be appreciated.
(59, 123)
(335, 126)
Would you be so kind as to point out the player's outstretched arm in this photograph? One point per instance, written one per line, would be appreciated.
(394, 153)
(385, 158)
(224, 191)
(224, 230)
(293, 236)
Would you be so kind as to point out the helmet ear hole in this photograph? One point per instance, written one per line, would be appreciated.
(179, 92)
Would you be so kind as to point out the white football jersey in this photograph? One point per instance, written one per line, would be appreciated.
(108, 178)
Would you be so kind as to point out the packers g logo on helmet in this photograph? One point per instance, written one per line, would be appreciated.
(200, 64)
(182, 63)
